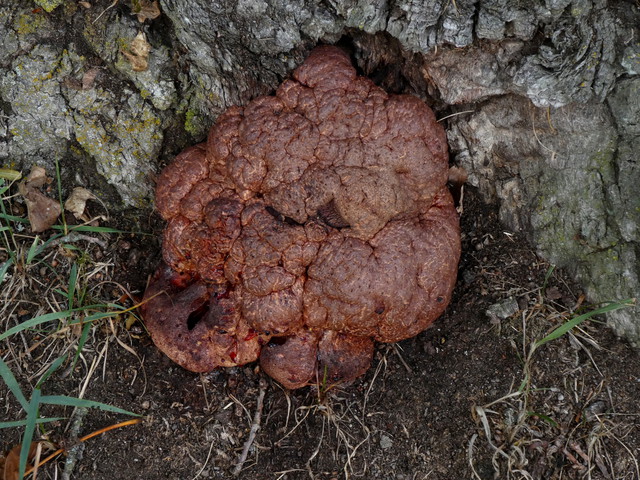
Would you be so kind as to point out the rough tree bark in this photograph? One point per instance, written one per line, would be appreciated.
(546, 95)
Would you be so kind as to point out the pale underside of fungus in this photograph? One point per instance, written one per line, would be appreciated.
(310, 224)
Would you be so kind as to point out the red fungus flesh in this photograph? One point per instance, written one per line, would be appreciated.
(308, 225)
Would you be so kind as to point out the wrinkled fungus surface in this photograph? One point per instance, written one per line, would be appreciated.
(308, 225)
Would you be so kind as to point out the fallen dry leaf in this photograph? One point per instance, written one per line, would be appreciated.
(89, 78)
(140, 46)
(86, 5)
(37, 177)
(146, 10)
(42, 211)
(553, 293)
(131, 319)
(12, 462)
(138, 54)
(77, 202)
(138, 64)
(87, 82)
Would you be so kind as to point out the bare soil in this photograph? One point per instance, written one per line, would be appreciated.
(458, 401)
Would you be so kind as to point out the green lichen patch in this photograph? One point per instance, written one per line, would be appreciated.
(29, 23)
(49, 5)
(194, 124)
(39, 122)
(123, 143)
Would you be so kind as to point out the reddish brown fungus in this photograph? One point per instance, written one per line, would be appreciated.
(308, 225)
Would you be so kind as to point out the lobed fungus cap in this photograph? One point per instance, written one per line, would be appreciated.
(309, 224)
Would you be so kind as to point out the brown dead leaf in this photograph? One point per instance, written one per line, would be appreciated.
(138, 64)
(12, 462)
(146, 10)
(553, 293)
(42, 211)
(128, 323)
(138, 54)
(140, 46)
(86, 5)
(37, 177)
(89, 78)
(77, 202)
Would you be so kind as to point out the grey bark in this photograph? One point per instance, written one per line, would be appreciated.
(551, 86)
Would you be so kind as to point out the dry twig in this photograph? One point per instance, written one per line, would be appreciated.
(255, 426)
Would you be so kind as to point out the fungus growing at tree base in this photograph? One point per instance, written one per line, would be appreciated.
(310, 224)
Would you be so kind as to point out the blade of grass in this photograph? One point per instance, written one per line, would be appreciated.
(33, 250)
(81, 293)
(98, 316)
(9, 174)
(52, 368)
(73, 279)
(88, 228)
(81, 402)
(48, 317)
(523, 384)
(46, 244)
(13, 218)
(546, 418)
(3, 187)
(12, 384)
(547, 277)
(565, 327)
(29, 429)
(81, 341)
(7, 235)
(34, 322)
(4, 267)
(115, 310)
(22, 423)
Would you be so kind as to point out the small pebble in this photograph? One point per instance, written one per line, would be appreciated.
(503, 309)
(385, 442)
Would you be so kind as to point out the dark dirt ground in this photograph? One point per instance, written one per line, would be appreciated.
(423, 411)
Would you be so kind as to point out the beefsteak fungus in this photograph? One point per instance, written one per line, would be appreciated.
(308, 225)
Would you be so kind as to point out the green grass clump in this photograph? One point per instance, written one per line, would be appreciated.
(24, 260)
